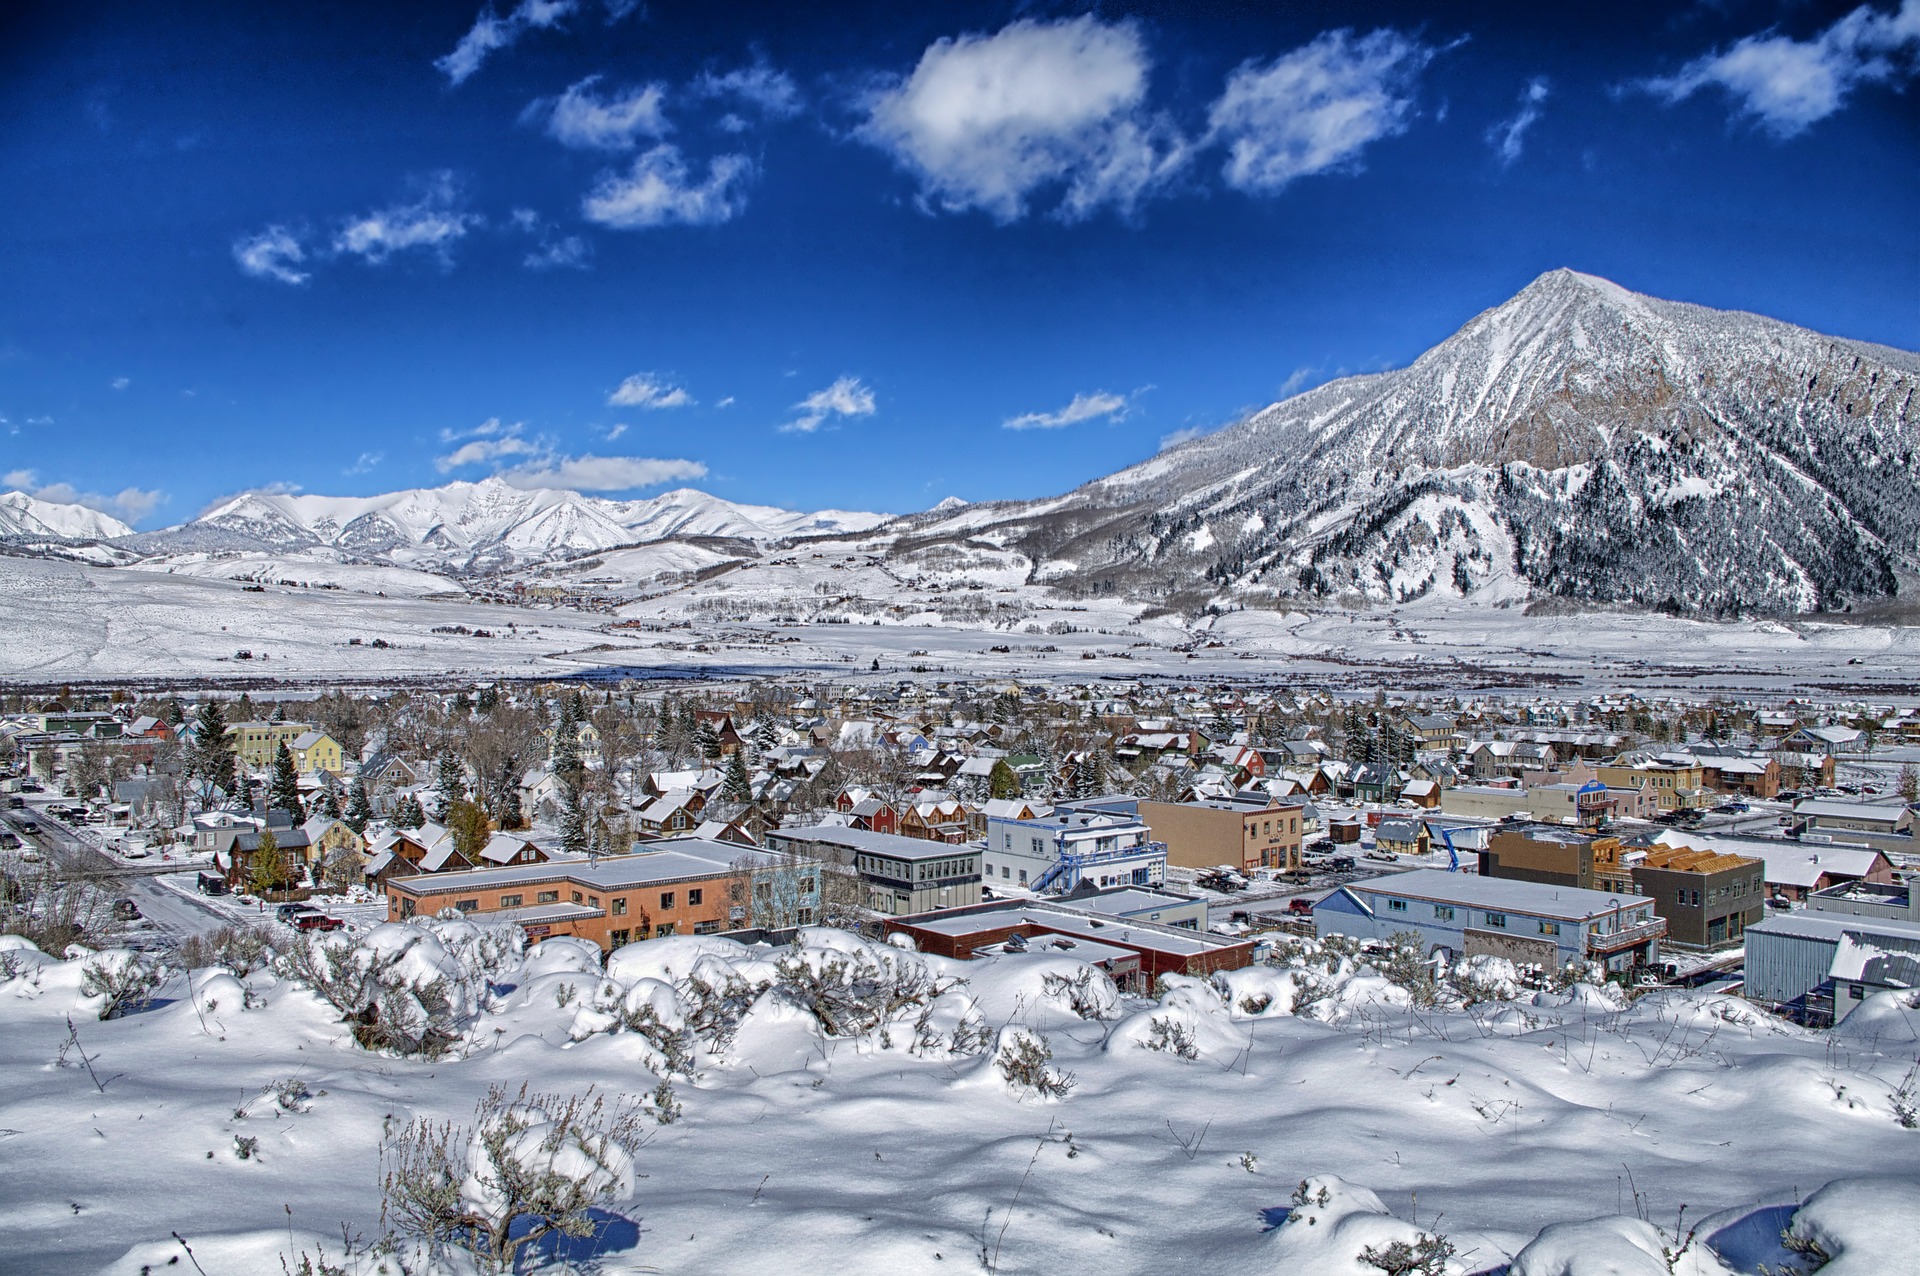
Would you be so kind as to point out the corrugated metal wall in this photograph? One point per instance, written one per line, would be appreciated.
(1786, 967)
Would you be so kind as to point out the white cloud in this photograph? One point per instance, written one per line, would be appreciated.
(569, 253)
(1185, 435)
(1315, 108)
(1790, 85)
(118, 383)
(1509, 137)
(130, 504)
(845, 397)
(725, 403)
(580, 118)
(274, 253)
(432, 222)
(490, 33)
(1085, 407)
(491, 440)
(658, 191)
(648, 390)
(602, 473)
(615, 430)
(986, 121)
(367, 461)
(762, 85)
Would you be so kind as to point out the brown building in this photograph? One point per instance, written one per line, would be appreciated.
(688, 886)
(1039, 926)
(1708, 898)
(1208, 833)
(1679, 785)
(1548, 853)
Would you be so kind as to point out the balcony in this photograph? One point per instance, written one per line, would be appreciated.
(1626, 937)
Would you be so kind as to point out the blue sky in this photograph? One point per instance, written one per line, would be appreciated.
(868, 255)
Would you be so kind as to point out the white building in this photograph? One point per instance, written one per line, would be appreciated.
(1056, 852)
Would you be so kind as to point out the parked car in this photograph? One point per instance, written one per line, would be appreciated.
(292, 912)
(15, 802)
(9, 841)
(316, 921)
(1300, 907)
(1343, 864)
(126, 910)
(28, 826)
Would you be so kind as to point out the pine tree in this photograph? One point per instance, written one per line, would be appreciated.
(707, 739)
(739, 785)
(213, 760)
(573, 820)
(507, 811)
(359, 812)
(279, 713)
(283, 791)
(1002, 781)
(450, 784)
(407, 813)
(266, 867)
(566, 742)
(328, 803)
(173, 715)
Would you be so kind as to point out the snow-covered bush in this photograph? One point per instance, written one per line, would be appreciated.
(1333, 1226)
(241, 949)
(1025, 1058)
(413, 987)
(542, 1161)
(119, 981)
(856, 989)
(1088, 993)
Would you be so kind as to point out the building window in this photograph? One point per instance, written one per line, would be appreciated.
(663, 929)
(666, 899)
(1549, 928)
(1396, 906)
(510, 901)
(619, 937)
(620, 906)
(576, 896)
(1443, 912)
(706, 928)
(1497, 920)
(406, 908)
(694, 897)
(467, 905)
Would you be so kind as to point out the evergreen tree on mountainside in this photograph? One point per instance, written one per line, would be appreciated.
(359, 812)
(283, 791)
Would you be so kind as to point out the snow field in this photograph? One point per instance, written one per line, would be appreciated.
(902, 1144)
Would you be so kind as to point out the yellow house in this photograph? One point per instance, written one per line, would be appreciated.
(254, 743)
(315, 751)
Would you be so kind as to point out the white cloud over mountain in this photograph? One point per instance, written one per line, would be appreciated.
(846, 397)
(1085, 407)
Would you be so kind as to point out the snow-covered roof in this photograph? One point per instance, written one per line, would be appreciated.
(1568, 903)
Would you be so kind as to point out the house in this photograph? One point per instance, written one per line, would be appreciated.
(1826, 741)
(315, 753)
(1884, 818)
(1263, 834)
(1526, 922)
(1064, 928)
(1059, 851)
(291, 844)
(1002, 809)
(672, 813)
(255, 743)
(723, 729)
(1794, 870)
(1821, 965)
(940, 821)
(873, 814)
(327, 837)
(1422, 793)
(1679, 784)
(406, 852)
(505, 849)
(687, 886)
(1709, 898)
(901, 874)
(1402, 837)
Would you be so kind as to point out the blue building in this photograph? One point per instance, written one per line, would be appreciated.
(1468, 915)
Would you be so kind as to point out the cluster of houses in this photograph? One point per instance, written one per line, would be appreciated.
(1052, 814)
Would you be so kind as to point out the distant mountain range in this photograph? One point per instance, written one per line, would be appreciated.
(1580, 442)
(462, 527)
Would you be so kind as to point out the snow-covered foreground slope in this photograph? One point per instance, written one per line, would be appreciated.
(1554, 1131)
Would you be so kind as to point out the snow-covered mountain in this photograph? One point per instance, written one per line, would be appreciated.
(477, 526)
(29, 517)
(1580, 440)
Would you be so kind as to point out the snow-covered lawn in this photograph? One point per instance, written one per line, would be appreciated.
(905, 1147)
